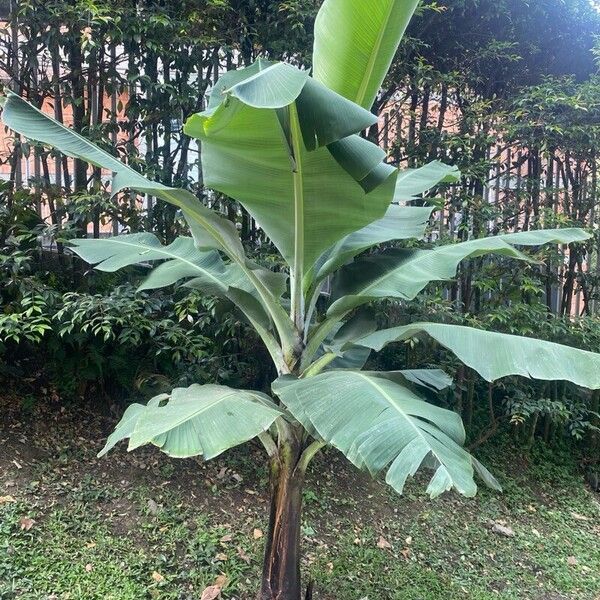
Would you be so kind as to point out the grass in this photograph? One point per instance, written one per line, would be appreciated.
(144, 526)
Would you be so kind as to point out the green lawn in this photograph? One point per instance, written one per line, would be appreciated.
(144, 526)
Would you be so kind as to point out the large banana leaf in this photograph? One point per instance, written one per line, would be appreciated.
(204, 270)
(404, 273)
(209, 229)
(495, 355)
(379, 423)
(183, 260)
(201, 420)
(270, 154)
(27, 120)
(355, 43)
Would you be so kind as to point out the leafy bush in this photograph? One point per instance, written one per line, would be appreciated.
(87, 342)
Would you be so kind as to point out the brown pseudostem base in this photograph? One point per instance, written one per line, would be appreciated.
(281, 568)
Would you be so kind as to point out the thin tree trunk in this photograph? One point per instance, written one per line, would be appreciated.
(16, 172)
(77, 89)
(412, 126)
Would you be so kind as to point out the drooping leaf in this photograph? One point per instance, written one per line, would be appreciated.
(182, 259)
(124, 427)
(27, 120)
(435, 379)
(326, 117)
(485, 475)
(201, 420)
(495, 355)
(378, 423)
(404, 273)
(205, 271)
(355, 43)
(273, 85)
(359, 157)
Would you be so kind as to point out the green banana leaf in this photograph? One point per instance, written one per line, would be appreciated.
(210, 230)
(399, 223)
(201, 420)
(412, 183)
(435, 379)
(272, 155)
(378, 423)
(27, 120)
(495, 355)
(182, 259)
(404, 273)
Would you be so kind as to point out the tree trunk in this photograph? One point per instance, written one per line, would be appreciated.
(281, 567)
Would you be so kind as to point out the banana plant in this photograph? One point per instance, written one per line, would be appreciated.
(287, 145)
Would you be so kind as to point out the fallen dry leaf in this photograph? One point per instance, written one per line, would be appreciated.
(572, 561)
(405, 552)
(152, 507)
(6, 499)
(214, 591)
(257, 533)
(221, 556)
(157, 577)
(383, 543)
(243, 555)
(502, 530)
(579, 517)
(226, 538)
(89, 568)
(26, 523)
(211, 592)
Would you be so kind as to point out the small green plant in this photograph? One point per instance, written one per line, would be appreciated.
(288, 147)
